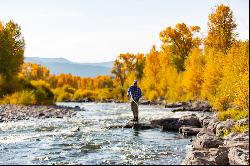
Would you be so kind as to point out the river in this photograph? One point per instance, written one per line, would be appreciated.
(57, 141)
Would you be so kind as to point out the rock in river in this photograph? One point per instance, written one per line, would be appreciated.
(132, 125)
(173, 124)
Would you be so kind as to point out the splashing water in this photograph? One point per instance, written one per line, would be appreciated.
(83, 139)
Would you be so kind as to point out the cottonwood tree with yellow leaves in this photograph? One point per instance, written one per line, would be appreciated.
(182, 69)
(180, 40)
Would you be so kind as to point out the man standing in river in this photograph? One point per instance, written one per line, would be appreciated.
(134, 92)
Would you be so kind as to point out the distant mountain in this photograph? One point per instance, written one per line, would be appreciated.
(61, 65)
(45, 60)
(104, 64)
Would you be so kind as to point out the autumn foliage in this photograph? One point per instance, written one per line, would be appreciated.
(185, 67)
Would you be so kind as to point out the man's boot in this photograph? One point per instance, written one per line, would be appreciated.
(135, 119)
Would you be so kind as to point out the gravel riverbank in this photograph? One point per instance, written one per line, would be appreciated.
(19, 112)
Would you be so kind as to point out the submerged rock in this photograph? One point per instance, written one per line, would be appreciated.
(139, 126)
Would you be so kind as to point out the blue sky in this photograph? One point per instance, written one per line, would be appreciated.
(99, 30)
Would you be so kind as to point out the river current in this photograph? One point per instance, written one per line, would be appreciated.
(57, 141)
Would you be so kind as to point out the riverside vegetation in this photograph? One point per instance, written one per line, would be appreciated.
(186, 67)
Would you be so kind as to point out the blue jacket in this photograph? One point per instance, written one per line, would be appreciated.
(135, 92)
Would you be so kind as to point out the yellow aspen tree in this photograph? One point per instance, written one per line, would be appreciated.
(151, 74)
(212, 73)
(221, 27)
(233, 88)
(165, 72)
(193, 74)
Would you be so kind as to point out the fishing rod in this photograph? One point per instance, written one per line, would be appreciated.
(134, 100)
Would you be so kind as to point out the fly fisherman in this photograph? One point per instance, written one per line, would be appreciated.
(134, 92)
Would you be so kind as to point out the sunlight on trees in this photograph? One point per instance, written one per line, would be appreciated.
(183, 69)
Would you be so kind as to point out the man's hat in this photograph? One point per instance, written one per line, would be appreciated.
(135, 82)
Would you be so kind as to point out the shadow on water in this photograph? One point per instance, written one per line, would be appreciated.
(136, 132)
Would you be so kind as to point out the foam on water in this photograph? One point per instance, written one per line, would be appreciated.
(58, 141)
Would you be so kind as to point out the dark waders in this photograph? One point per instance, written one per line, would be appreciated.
(134, 108)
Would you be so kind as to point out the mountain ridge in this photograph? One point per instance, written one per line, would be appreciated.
(62, 65)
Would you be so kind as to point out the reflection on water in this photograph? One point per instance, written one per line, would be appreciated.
(136, 132)
(85, 140)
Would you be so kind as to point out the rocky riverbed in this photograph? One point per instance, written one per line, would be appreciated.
(20, 112)
(209, 147)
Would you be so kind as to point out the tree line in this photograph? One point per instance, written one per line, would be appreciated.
(185, 67)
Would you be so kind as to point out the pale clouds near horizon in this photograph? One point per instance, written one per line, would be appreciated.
(99, 30)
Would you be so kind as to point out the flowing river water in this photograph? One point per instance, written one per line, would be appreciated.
(57, 141)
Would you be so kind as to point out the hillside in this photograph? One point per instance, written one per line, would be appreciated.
(61, 65)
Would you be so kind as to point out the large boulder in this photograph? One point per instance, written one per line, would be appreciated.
(238, 156)
(200, 106)
(224, 125)
(240, 140)
(173, 124)
(243, 122)
(190, 106)
(207, 139)
(211, 126)
(177, 104)
(204, 120)
(198, 157)
(212, 156)
(220, 155)
(189, 130)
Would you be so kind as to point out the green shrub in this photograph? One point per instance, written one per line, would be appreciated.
(43, 94)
